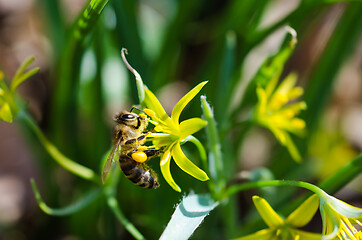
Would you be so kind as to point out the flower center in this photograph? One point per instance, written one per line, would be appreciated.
(348, 231)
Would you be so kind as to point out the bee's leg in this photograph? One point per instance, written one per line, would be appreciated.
(153, 152)
(136, 141)
(144, 153)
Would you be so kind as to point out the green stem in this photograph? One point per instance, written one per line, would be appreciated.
(64, 109)
(113, 204)
(216, 166)
(139, 82)
(342, 176)
(199, 147)
(273, 183)
(110, 192)
(62, 160)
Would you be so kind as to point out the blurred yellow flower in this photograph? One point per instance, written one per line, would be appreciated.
(8, 105)
(171, 134)
(285, 229)
(274, 112)
(338, 219)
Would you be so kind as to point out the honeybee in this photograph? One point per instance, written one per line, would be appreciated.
(129, 137)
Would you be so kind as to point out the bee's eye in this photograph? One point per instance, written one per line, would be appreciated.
(127, 117)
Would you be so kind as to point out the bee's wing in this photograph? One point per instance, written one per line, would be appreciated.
(107, 167)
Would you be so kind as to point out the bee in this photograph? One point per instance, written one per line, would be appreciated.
(129, 137)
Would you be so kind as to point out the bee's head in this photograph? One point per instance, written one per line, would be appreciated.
(129, 119)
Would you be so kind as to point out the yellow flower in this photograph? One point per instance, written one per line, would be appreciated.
(338, 218)
(8, 105)
(274, 112)
(171, 134)
(5, 97)
(285, 229)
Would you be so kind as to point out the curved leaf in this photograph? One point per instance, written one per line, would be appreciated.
(72, 208)
(188, 216)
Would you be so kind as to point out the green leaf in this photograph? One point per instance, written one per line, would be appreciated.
(216, 165)
(188, 216)
(270, 70)
(62, 160)
(176, 112)
(87, 199)
(186, 165)
(5, 113)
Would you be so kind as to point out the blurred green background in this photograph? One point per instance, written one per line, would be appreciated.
(174, 45)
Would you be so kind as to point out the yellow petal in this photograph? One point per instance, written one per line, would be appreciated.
(186, 165)
(262, 101)
(165, 169)
(287, 84)
(295, 92)
(306, 235)
(154, 105)
(272, 84)
(293, 150)
(270, 217)
(304, 213)
(5, 113)
(190, 126)
(176, 112)
(264, 234)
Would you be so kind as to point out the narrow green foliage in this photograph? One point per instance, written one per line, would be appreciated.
(79, 205)
(215, 159)
(270, 69)
(62, 160)
(173, 45)
(20, 75)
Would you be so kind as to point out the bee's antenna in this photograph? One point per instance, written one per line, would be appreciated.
(134, 107)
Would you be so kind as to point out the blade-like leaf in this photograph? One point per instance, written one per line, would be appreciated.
(72, 208)
(188, 216)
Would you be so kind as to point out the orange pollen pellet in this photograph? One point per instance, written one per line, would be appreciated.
(139, 156)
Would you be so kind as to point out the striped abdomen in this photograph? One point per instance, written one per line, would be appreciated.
(139, 173)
